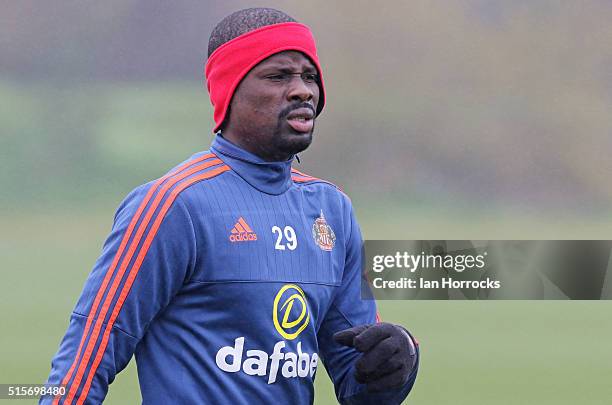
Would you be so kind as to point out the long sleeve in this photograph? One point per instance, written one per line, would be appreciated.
(147, 257)
(347, 310)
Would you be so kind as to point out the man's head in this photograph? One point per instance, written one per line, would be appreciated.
(272, 102)
(243, 21)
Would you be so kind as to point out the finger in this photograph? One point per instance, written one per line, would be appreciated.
(411, 345)
(392, 365)
(371, 336)
(346, 337)
(371, 360)
(392, 380)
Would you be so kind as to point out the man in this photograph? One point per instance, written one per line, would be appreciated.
(232, 275)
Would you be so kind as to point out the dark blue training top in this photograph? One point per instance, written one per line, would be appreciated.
(227, 279)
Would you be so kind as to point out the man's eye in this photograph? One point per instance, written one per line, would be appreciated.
(286, 77)
(278, 77)
(310, 77)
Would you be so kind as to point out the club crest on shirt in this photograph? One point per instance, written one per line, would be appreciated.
(322, 233)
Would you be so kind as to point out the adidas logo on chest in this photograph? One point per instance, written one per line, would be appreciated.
(242, 232)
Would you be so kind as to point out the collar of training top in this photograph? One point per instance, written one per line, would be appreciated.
(229, 63)
(269, 177)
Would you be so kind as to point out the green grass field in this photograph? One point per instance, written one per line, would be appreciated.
(506, 352)
(85, 144)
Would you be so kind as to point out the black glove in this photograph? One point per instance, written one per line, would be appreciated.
(389, 354)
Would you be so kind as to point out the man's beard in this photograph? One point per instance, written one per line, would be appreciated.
(294, 143)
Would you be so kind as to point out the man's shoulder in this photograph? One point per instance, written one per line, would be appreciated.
(302, 179)
(199, 169)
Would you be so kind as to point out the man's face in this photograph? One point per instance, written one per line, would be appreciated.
(272, 112)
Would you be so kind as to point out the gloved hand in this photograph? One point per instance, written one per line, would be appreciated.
(389, 354)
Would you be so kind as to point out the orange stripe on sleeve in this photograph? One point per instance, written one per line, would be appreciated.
(175, 177)
(302, 174)
(302, 180)
(300, 177)
(134, 271)
(110, 272)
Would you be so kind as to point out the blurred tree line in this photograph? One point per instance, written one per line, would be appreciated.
(466, 102)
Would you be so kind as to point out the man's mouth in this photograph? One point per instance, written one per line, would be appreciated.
(301, 120)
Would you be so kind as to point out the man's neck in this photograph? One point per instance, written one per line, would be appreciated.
(250, 145)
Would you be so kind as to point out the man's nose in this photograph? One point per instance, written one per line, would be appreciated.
(299, 90)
